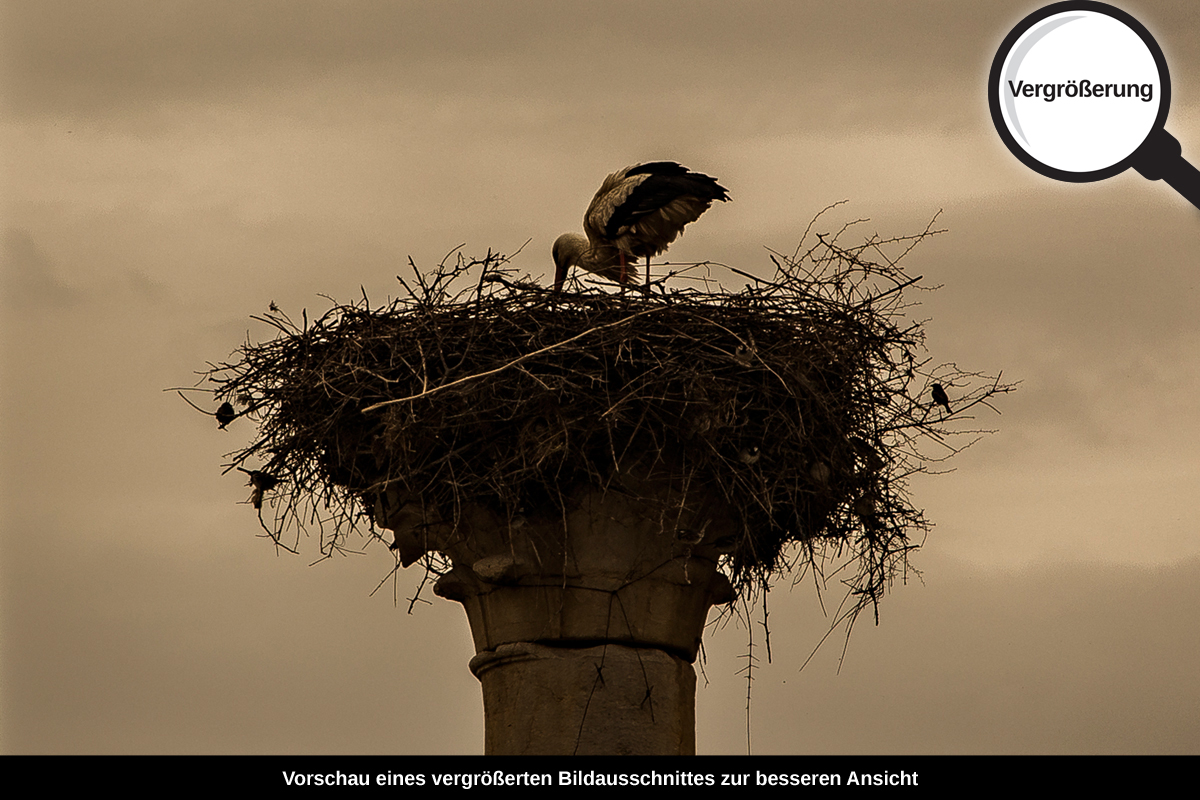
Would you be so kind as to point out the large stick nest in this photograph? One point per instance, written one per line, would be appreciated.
(802, 402)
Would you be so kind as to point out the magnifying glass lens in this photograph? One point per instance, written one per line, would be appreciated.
(1080, 91)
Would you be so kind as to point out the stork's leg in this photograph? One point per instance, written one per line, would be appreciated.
(621, 279)
(647, 272)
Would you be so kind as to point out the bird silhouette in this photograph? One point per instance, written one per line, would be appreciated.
(636, 213)
(867, 455)
(749, 455)
(262, 482)
(225, 415)
(940, 397)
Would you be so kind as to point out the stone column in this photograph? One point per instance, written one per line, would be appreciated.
(586, 625)
(610, 699)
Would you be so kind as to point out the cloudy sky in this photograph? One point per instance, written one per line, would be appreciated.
(170, 168)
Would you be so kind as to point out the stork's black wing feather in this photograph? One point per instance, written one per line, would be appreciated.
(666, 181)
(657, 168)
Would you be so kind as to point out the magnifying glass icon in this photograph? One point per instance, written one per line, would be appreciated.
(1079, 92)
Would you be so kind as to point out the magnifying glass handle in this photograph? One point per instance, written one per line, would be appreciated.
(1161, 158)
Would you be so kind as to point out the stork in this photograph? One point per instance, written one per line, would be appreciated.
(637, 213)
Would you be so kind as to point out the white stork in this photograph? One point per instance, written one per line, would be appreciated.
(637, 212)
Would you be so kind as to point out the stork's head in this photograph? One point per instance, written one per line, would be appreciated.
(568, 249)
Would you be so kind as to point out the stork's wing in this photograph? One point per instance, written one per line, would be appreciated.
(611, 195)
(645, 207)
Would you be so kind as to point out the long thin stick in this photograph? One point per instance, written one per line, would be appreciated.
(512, 363)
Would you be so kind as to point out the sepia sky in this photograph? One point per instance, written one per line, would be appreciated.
(170, 168)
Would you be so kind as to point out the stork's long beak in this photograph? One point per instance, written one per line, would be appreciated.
(560, 275)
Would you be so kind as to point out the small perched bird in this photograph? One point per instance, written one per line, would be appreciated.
(691, 536)
(939, 397)
(636, 213)
(262, 482)
(864, 506)
(225, 415)
(867, 455)
(744, 355)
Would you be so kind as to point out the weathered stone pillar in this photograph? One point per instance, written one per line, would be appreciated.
(610, 699)
(586, 625)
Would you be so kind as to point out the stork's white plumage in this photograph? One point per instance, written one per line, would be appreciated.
(636, 213)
